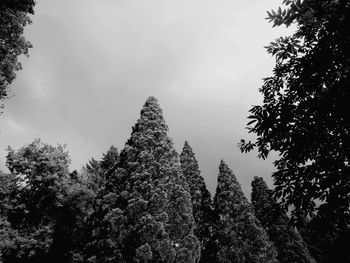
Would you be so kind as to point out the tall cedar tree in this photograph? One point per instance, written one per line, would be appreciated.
(147, 210)
(288, 242)
(13, 18)
(239, 234)
(305, 114)
(201, 200)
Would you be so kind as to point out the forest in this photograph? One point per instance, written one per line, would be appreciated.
(148, 203)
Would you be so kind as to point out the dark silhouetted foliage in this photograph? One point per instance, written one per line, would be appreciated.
(13, 18)
(288, 242)
(304, 116)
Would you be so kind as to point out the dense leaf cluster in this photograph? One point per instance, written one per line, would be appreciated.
(13, 18)
(304, 116)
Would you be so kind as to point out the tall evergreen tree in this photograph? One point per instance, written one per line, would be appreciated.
(201, 200)
(288, 242)
(147, 210)
(239, 234)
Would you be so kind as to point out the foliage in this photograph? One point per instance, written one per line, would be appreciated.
(325, 247)
(201, 200)
(288, 242)
(240, 236)
(304, 116)
(39, 170)
(42, 205)
(146, 212)
(95, 170)
(13, 18)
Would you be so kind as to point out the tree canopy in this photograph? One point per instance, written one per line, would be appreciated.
(40, 205)
(14, 16)
(304, 116)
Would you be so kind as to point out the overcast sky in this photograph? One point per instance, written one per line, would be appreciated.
(94, 63)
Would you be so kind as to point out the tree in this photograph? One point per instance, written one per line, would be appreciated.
(304, 116)
(98, 243)
(33, 197)
(70, 232)
(201, 200)
(288, 242)
(13, 18)
(240, 236)
(39, 170)
(42, 206)
(146, 211)
(95, 170)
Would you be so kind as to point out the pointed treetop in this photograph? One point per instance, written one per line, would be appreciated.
(261, 189)
(187, 150)
(158, 214)
(152, 99)
(109, 158)
(227, 185)
(223, 166)
(259, 180)
(240, 235)
(151, 104)
(290, 245)
(190, 168)
(201, 200)
(227, 175)
(151, 117)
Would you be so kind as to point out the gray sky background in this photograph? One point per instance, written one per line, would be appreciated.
(94, 63)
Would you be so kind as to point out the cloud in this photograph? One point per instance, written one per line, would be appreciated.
(95, 62)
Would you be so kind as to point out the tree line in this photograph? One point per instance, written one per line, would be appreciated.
(145, 203)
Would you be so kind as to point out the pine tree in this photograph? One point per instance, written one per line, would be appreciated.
(201, 200)
(147, 205)
(95, 170)
(288, 242)
(110, 158)
(239, 234)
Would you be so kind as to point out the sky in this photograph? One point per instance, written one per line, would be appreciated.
(94, 63)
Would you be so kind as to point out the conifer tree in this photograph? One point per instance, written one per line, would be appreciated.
(201, 200)
(239, 235)
(288, 242)
(95, 170)
(148, 210)
(110, 158)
